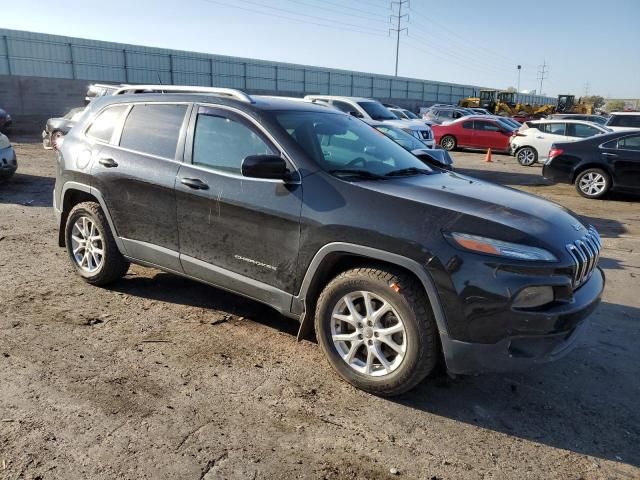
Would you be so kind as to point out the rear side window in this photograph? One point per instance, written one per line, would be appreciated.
(222, 142)
(343, 106)
(468, 125)
(104, 124)
(553, 128)
(153, 129)
(625, 121)
(630, 143)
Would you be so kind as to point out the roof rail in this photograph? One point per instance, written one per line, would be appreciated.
(229, 92)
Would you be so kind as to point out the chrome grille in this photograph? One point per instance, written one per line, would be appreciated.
(585, 253)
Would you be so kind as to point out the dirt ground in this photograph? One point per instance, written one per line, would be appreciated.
(161, 377)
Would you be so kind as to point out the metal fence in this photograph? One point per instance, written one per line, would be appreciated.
(36, 54)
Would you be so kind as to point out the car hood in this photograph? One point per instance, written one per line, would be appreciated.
(520, 216)
(412, 124)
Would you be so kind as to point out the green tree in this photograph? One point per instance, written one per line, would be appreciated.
(614, 105)
(596, 100)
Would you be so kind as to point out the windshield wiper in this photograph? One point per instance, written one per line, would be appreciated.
(407, 171)
(356, 173)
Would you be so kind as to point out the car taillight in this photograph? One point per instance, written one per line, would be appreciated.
(554, 152)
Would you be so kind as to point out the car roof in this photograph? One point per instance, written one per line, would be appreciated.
(568, 120)
(625, 113)
(258, 102)
(341, 97)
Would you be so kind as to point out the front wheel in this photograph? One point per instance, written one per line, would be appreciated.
(91, 246)
(377, 330)
(527, 156)
(593, 183)
(448, 142)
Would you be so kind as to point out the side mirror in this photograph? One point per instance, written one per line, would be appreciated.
(265, 166)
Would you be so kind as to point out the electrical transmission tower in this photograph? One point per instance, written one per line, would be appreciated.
(396, 19)
(543, 72)
(587, 89)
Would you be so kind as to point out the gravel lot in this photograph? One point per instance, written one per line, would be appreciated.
(161, 377)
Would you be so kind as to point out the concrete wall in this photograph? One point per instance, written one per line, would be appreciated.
(32, 100)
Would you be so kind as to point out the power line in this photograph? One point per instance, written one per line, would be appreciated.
(371, 17)
(543, 70)
(339, 25)
(398, 18)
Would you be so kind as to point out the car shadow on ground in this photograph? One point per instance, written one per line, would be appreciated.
(174, 289)
(507, 178)
(567, 404)
(581, 403)
(27, 190)
(607, 227)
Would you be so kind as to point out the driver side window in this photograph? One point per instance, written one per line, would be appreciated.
(222, 142)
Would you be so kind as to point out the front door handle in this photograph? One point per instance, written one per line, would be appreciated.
(108, 162)
(540, 137)
(612, 155)
(194, 183)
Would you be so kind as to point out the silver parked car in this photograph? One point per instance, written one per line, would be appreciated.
(8, 159)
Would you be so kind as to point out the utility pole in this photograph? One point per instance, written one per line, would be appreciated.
(519, 70)
(398, 21)
(543, 71)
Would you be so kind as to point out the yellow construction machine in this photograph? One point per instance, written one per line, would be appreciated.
(567, 104)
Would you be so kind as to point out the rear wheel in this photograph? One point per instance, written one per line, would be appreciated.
(91, 246)
(593, 183)
(448, 142)
(377, 330)
(527, 156)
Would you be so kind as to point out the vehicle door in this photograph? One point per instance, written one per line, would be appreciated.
(136, 175)
(486, 134)
(236, 232)
(466, 134)
(547, 135)
(623, 156)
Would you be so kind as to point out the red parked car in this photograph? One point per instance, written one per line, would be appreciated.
(473, 132)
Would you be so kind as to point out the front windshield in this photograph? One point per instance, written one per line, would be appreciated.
(344, 145)
(377, 111)
(411, 115)
(402, 138)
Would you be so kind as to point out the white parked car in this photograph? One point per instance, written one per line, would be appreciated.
(532, 142)
(624, 121)
(369, 109)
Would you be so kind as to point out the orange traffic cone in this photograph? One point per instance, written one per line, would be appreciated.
(487, 157)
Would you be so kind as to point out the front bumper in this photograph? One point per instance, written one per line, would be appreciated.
(520, 351)
(8, 162)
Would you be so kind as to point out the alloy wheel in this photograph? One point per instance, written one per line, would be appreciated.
(87, 244)
(448, 143)
(368, 333)
(526, 157)
(593, 184)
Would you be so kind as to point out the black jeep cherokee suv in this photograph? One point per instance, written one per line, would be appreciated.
(315, 213)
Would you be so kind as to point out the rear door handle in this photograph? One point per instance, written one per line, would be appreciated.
(108, 162)
(540, 137)
(612, 155)
(194, 183)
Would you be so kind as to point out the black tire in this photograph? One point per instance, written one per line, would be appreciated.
(409, 301)
(113, 266)
(448, 142)
(599, 187)
(527, 156)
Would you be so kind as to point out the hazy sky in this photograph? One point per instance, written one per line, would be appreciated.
(463, 41)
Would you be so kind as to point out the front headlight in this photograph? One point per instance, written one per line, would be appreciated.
(500, 248)
(4, 142)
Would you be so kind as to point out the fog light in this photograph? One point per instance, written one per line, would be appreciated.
(532, 297)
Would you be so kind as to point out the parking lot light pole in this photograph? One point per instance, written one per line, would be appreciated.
(519, 70)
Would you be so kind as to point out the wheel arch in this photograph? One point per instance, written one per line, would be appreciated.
(586, 166)
(74, 193)
(336, 257)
